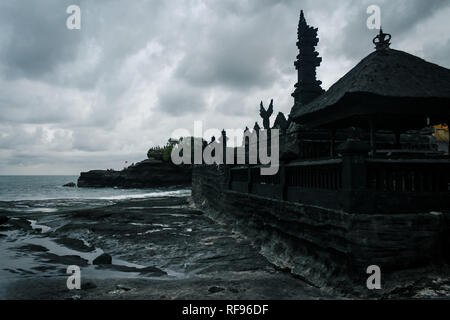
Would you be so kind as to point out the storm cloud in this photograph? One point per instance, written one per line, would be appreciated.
(73, 100)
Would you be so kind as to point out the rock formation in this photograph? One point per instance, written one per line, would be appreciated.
(70, 185)
(145, 174)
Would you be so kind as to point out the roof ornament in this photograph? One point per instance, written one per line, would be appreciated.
(266, 114)
(382, 40)
(308, 87)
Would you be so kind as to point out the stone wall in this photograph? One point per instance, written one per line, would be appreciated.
(323, 246)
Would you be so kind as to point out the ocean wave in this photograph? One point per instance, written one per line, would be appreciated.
(177, 193)
(28, 204)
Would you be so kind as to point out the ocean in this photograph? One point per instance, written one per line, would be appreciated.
(46, 194)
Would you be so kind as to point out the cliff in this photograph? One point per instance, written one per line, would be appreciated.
(145, 174)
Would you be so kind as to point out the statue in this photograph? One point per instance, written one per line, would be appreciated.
(266, 114)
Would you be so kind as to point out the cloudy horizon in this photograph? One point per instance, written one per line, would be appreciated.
(76, 100)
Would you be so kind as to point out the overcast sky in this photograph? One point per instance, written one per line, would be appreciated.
(74, 100)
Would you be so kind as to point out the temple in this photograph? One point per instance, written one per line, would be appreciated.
(362, 178)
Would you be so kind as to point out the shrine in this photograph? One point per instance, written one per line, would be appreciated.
(363, 179)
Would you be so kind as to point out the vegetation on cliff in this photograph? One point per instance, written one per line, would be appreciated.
(162, 153)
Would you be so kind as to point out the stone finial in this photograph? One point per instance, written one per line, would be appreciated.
(302, 18)
(382, 40)
(224, 138)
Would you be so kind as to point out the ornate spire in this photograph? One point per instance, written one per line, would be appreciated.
(308, 87)
(382, 41)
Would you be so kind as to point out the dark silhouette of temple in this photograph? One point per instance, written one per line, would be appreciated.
(308, 87)
(361, 180)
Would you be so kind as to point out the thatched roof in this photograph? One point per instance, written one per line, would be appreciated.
(389, 74)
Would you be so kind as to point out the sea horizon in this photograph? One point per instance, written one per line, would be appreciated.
(38, 188)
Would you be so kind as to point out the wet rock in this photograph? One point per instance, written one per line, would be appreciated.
(72, 227)
(74, 244)
(118, 268)
(152, 272)
(215, 290)
(21, 223)
(65, 260)
(45, 268)
(88, 286)
(70, 185)
(104, 259)
(3, 220)
(234, 290)
(33, 248)
(148, 271)
(122, 287)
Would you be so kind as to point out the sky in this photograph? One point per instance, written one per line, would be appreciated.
(93, 98)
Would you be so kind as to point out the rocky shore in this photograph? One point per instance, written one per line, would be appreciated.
(145, 174)
(162, 249)
(159, 248)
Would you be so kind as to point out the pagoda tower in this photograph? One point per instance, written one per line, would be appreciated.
(308, 87)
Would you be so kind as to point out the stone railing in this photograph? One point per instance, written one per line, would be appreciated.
(353, 182)
(408, 175)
